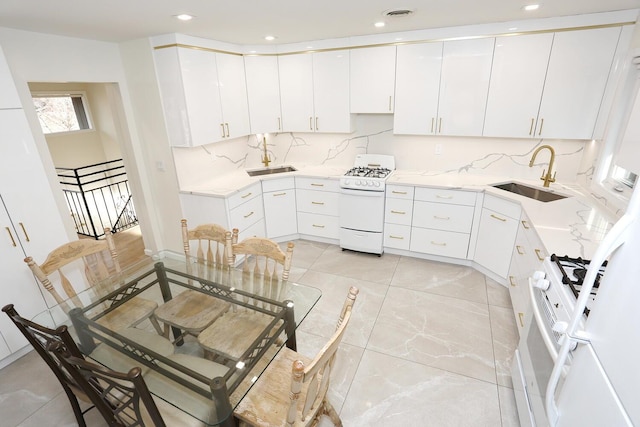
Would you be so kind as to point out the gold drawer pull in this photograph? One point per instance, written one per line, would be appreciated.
(531, 127)
(519, 250)
(317, 203)
(438, 243)
(398, 212)
(511, 281)
(520, 316)
(438, 196)
(249, 214)
(318, 226)
(246, 195)
(540, 257)
(279, 194)
(444, 218)
(26, 236)
(13, 242)
(498, 218)
(525, 225)
(396, 237)
(222, 129)
(399, 192)
(313, 184)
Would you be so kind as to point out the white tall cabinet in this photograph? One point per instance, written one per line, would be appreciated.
(314, 92)
(263, 93)
(204, 95)
(30, 224)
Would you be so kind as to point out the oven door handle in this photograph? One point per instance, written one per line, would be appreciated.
(362, 193)
(548, 340)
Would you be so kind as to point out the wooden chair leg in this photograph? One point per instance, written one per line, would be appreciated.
(157, 327)
(330, 411)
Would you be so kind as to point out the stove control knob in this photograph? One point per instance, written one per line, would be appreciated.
(357, 182)
(537, 275)
(377, 184)
(347, 182)
(542, 284)
(370, 183)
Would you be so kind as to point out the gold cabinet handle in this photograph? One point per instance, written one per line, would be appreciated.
(389, 102)
(398, 212)
(279, 124)
(396, 237)
(316, 185)
(512, 281)
(13, 242)
(222, 129)
(318, 226)
(26, 236)
(310, 123)
(443, 218)
(519, 250)
(440, 126)
(399, 192)
(520, 316)
(525, 225)
(433, 121)
(316, 123)
(538, 252)
(438, 196)
(226, 125)
(531, 128)
(541, 124)
(249, 214)
(317, 203)
(498, 218)
(246, 195)
(279, 194)
(438, 243)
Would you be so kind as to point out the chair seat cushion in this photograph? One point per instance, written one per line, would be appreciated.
(128, 314)
(191, 311)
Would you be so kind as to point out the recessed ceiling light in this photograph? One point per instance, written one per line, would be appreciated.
(379, 24)
(531, 7)
(184, 17)
(513, 28)
(269, 38)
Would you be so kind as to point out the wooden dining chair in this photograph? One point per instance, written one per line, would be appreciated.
(85, 263)
(40, 337)
(123, 399)
(293, 389)
(265, 272)
(192, 311)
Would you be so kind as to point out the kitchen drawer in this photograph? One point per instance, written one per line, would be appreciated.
(438, 195)
(322, 184)
(443, 216)
(256, 229)
(398, 211)
(399, 192)
(397, 236)
(246, 214)
(244, 195)
(437, 242)
(318, 202)
(278, 184)
(502, 206)
(318, 225)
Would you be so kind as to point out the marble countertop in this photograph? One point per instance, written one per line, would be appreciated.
(572, 226)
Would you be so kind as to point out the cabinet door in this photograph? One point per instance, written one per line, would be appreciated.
(280, 213)
(263, 93)
(464, 85)
(233, 95)
(202, 97)
(8, 93)
(496, 235)
(372, 79)
(577, 76)
(417, 86)
(296, 92)
(331, 91)
(517, 80)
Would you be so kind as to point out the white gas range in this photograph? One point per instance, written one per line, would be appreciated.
(362, 197)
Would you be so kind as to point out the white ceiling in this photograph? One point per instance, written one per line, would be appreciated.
(246, 22)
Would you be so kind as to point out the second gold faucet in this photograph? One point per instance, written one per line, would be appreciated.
(547, 178)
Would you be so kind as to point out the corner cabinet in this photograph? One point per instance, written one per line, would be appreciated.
(204, 95)
(279, 197)
(372, 81)
(314, 92)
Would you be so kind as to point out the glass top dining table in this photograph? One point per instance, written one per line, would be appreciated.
(206, 388)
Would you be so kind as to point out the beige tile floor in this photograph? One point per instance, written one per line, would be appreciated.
(429, 344)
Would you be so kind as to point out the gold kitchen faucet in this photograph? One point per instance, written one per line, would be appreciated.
(547, 178)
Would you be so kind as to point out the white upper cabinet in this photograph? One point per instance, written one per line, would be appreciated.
(576, 79)
(442, 87)
(373, 79)
(417, 86)
(8, 94)
(517, 80)
(314, 92)
(203, 95)
(263, 93)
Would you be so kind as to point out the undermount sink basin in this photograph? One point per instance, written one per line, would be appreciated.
(530, 192)
(269, 171)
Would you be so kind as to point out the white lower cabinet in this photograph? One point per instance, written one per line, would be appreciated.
(397, 217)
(496, 234)
(279, 196)
(317, 206)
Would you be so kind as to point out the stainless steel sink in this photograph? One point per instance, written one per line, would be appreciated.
(269, 171)
(530, 192)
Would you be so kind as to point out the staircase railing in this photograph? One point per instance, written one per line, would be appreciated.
(98, 196)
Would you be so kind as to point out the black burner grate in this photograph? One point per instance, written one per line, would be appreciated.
(574, 271)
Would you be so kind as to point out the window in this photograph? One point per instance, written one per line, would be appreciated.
(61, 112)
(623, 176)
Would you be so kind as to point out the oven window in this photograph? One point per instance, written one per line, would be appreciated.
(540, 358)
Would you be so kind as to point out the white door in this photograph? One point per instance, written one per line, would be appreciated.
(372, 79)
(233, 95)
(331, 91)
(296, 92)
(517, 79)
(417, 88)
(263, 93)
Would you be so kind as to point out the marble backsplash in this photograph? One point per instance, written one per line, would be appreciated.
(574, 161)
